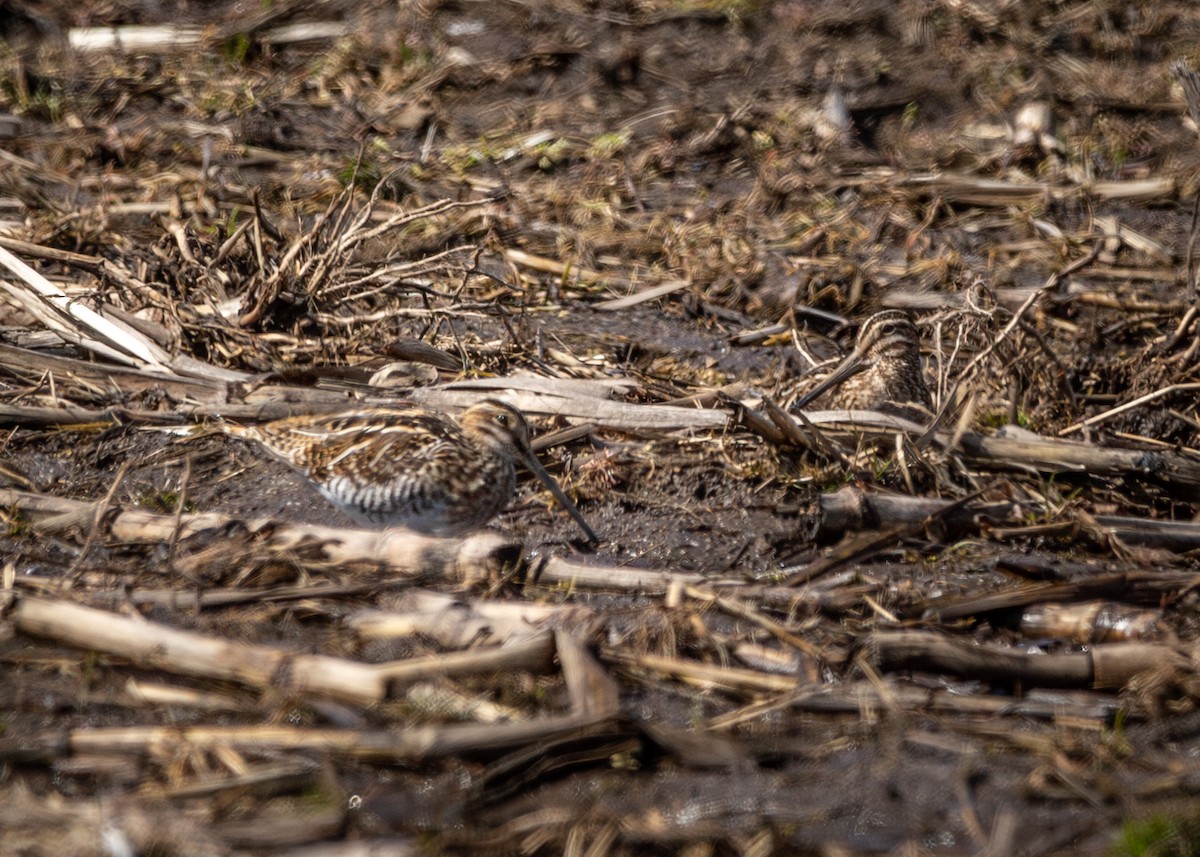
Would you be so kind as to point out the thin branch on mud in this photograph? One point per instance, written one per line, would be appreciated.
(472, 557)
(1105, 416)
(1109, 666)
(745, 611)
(100, 511)
(181, 499)
(857, 549)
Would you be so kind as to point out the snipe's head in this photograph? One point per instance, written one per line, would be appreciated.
(887, 359)
(499, 427)
(888, 336)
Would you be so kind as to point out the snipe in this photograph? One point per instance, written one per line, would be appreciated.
(412, 467)
(882, 373)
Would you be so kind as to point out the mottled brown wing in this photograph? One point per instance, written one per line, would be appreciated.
(1190, 81)
(374, 445)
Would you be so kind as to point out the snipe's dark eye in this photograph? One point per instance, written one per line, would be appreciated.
(888, 329)
(502, 419)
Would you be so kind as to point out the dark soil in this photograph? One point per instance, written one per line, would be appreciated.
(634, 144)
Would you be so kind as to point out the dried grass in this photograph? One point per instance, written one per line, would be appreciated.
(641, 224)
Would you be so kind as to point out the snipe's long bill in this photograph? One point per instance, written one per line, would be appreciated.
(535, 467)
(413, 467)
(882, 373)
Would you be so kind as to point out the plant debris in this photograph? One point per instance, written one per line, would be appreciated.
(650, 227)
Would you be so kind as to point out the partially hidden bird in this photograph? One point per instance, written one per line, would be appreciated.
(883, 372)
(412, 467)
